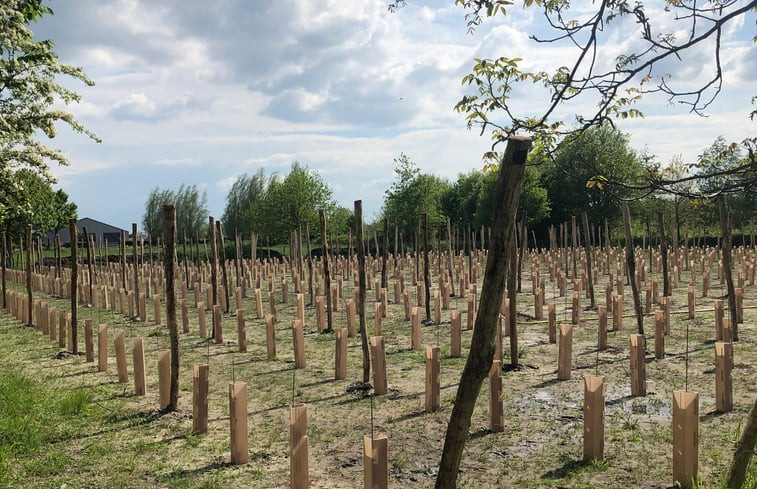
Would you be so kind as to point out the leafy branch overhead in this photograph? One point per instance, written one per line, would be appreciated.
(598, 81)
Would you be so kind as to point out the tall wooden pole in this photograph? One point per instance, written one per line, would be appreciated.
(74, 282)
(135, 264)
(4, 260)
(631, 265)
(725, 232)
(169, 252)
(426, 272)
(30, 301)
(326, 272)
(361, 289)
(213, 268)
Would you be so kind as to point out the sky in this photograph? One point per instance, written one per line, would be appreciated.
(197, 93)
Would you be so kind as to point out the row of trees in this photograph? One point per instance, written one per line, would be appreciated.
(592, 173)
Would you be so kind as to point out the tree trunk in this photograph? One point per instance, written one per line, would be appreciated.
(426, 272)
(222, 258)
(725, 232)
(361, 289)
(664, 252)
(589, 271)
(479, 360)
(74, 282)
(631, 264)
(326, 274)
(384, 252)
(450, 258)
(744, 450)
(169, 250)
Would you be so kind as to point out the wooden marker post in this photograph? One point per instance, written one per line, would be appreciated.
(437, 307)
(102, 348)
(298, 342)
(471, 316)
(565, 352)
(638, 371)
(685, 438)
(200, 399)
(602, 328)
(415, 328)
(201, 320)
(378, 357)
(723, 382)
(552, 313)
(377, 315)
(455, 334)
(718, 306)
(241, 333)
(349, 305)
(432, 379)
(217, 324)
(375, 462)
(496, 414)
(691, 301)
(594, 417)
(164, 377)
(659, 335)
(156, 309)
(270, 336)
(184, 317)
(576, 309)
(118, 341)
(89, 340)
(238, 423)
(259, 302)
(340, 354)
(299, 477)
(138, 354)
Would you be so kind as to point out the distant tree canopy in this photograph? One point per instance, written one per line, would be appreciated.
(191, 211)
(243, 195)
(288, 203)
(32, 200)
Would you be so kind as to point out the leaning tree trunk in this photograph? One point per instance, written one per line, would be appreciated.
(361, 289)
(744, 451)
(478, 364)
(169, 254)
(725, 231)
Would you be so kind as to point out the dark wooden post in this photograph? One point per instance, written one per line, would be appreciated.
(135, 264)
(426, 272)
(361, 289)
(664, 252)
(3, 258)
(326, 272)
(169, 252)
(631, 264)
(222, 259)
(74, 279)
(725, 232)
(213, 268)
(30, 299)
(477, 366)
(589, 259)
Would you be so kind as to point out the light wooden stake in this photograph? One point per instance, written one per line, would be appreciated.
(685, 438)
(238, 423)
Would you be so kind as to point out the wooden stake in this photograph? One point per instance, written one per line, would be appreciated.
(375, 462)
(89, 340)
(238, 423)
(718, 306)
(340, 354)
(552, 313)
(594, 417)
(298, 341)
(217, 324)
(496, 414)
(565, 352)
(659, 335)
(685, 438)
(455, 334)
(102, 348)
(164, 377)
(602, 328)
(123, 374)
(270, 336)
(723, 382)
(200, 399)
(241, 333)
(638, 372)
(378, 357)
(432, 379)
(299, 477)
(138, 355)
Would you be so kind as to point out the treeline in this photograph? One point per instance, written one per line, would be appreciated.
(593, 173)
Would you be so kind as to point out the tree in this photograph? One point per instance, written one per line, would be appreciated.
(30, 103)
(191, 210)
(243, 194)
(413, 193)
(587, 172)
(289, 203)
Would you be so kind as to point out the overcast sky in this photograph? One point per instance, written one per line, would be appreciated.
(199, 92)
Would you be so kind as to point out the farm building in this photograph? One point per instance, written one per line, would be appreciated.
(102, 232)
